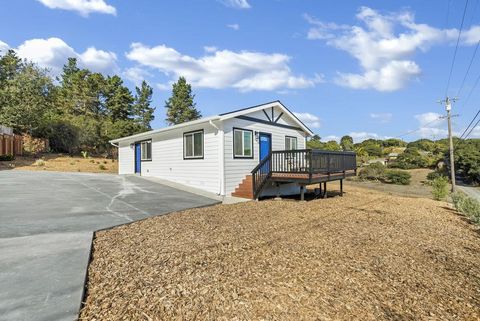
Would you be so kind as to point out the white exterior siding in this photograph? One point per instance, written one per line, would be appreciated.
(236, 168)
(126, 158)
(168, 162)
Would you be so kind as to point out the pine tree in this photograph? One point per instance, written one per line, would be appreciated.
(180, 106)
(119, 99)
(141, 107)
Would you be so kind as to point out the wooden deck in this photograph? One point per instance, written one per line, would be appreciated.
(305, 177)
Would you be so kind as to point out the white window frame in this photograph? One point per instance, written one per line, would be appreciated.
(289, 139)
(192, 133)
(243, 155)
(143, 146)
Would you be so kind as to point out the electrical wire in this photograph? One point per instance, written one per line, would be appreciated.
(456, 48)
(468, 69)
(418, 129)
(478, 113)
(471, 130)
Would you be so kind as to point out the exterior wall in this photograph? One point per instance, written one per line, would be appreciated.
(126, 158)
(235, 168)
(168, 162)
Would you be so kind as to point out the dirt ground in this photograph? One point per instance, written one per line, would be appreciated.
(417, 188)
(366, 256)
(62, 163)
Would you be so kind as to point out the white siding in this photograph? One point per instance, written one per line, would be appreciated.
(126, 158)
(168, 163)
(235, 168)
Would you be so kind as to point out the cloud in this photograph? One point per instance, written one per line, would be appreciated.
(210, 49)
(331, 137)
(236, 4)
(381, 117)
(431, 126)
(244, 70)
(3, 47)
(359, 137)
(53, 53)
(308, 119)
(83, 7)
(383, 45)
(234, 26)
(136, 75)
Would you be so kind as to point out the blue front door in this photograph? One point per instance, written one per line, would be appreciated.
(138, 159)
(265, 145)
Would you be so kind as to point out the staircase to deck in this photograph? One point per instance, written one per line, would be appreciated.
(244, 189)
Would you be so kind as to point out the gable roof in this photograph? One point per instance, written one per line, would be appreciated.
(221, 117)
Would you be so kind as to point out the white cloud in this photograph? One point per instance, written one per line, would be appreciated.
(237, 4)
(3, 47)
(359, 137)
(244, 70)
(136, 75)
(308, 119)
(331, 137)
(381, 117)
(165, 87)
(431, 126)
(384, 45)
(83, 7)
(234, 26)
(210, 49)
(53, 53)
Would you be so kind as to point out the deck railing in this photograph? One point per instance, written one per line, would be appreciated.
(301, 161)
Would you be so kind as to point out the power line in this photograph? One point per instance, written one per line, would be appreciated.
(456, 48)
(468, 69)
(471, 130)
(419, 128)
(478, 112)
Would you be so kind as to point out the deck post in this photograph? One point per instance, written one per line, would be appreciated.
(341, 187)
(324, 189)
(302, 192)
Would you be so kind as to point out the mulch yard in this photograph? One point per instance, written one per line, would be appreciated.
(366, 256)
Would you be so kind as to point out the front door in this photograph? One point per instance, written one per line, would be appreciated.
(138, 158)
(265, 145)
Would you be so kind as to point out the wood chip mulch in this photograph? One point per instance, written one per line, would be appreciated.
(366, 256)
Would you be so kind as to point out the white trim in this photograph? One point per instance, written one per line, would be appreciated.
(192, 133)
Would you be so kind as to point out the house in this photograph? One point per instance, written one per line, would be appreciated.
(218, 153)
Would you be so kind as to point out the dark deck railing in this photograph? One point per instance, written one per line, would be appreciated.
(309, 162)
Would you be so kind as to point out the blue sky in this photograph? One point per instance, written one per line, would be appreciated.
(364, 68)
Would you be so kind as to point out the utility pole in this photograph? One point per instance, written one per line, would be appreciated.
(448, 108)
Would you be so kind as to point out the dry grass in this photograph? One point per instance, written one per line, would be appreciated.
(417, 188)
(62, 163)
(366, 256)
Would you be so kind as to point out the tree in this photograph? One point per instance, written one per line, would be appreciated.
(118, 99)
(346, 142)
(141, 107)
(180, 106)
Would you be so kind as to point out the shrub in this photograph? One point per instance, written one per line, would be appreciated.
(434, 175)
(467, 206)
(398, 177)
(84, 153)
(7, 157)
(102, 167)
(440, 188)
(62, 136)
(39, 162)
(374, 171)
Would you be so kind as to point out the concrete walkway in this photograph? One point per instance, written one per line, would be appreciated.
(473, 192)
(47, 224)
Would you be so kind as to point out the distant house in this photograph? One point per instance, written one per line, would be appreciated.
(218, 153)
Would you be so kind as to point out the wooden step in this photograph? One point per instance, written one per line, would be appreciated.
(244, 189)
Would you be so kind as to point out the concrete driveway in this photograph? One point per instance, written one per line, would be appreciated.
(47, 220)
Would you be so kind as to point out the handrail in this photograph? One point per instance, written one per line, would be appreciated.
(301, 161)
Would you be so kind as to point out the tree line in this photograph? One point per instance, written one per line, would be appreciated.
(78, 110)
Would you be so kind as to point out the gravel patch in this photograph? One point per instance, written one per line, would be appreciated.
(366, 256)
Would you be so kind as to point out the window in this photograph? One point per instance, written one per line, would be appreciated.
(242, 143)
(193, 144)
(146, 150)
(290, 142)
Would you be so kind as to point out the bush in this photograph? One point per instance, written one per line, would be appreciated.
(440, 188)
(7, 157)
(374, 171)
(84, 153)
(62, 136)
(467, 206)
(434, 175)
(409, 159)
(39, 162)
(102, 167)
(398, 177)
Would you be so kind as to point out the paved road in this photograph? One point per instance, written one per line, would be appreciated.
(47, 220)
(473, 192)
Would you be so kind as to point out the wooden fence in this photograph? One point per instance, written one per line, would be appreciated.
(11, 144)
